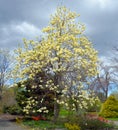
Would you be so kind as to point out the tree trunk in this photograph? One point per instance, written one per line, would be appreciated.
(56, 105)
(56, 111)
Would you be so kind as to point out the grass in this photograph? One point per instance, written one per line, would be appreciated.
(42, 124)
(65, 113)
(112, 119)
(49, 125)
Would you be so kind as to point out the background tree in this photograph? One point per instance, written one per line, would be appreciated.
(102, 84)
(64, 56)
(5, 61)
(114, 65)
(110, 108)
(8, 98)
(115, 93)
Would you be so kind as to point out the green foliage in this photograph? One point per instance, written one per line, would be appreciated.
(20, 95)
(88, 123)
(42, 124)
(115, 93)
(113, 119)
(72, 126)
(95, 124)
(14, 110)
(110, 108)
(63, 112)
(72, 123)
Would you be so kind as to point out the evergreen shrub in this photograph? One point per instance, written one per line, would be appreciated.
(110, 108)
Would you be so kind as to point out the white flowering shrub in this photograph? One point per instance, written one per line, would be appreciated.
(35, 100)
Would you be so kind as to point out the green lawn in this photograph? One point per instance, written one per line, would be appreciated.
(112, 119)
(64, 113)
(42, 124)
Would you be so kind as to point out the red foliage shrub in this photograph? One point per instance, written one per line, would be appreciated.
(37, 118)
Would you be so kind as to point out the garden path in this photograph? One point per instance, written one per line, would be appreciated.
(6, 124)
(115, 122)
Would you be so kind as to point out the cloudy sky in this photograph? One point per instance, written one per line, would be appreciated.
(26, 18)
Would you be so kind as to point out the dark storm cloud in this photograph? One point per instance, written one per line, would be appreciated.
(36, 11)
(26, 18)
(21, 18)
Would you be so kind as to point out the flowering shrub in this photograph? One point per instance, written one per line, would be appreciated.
(72, 126)
(91, 115)
(90, 123)
(102, 119)
(34, 101)
(95, 106)
(95, 124)
(95, 116)
(37, 118)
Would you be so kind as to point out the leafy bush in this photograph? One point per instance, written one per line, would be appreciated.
(14, 110)
(95, 124)
(72, 126)
(89, 124)
(110, 108)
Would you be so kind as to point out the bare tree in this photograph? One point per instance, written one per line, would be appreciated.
(4, 67)
(115, 63)
(102, 83)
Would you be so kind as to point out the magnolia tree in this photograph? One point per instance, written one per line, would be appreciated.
(65, 57)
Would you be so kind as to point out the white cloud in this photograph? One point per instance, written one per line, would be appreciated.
(105, 60)
(103, 4)
(13, 33)
(26, 29)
